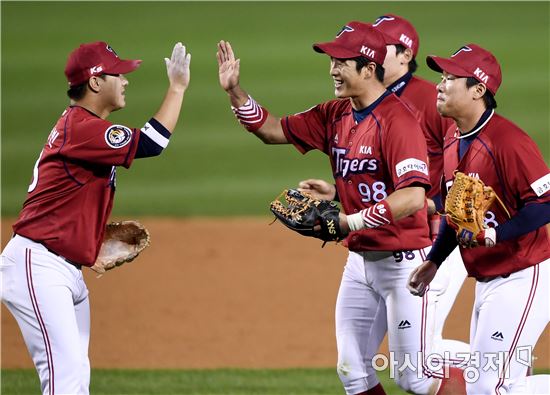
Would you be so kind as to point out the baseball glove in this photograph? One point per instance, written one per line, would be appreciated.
(123, 241)
(466, 204)
(308, 216)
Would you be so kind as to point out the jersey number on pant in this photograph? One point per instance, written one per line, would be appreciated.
(400, 255)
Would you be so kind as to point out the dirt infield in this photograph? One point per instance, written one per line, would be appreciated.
(213, 293)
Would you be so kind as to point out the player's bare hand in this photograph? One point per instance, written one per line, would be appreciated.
(319, 189)
(177, 67)
(421, 277)
(228, 66)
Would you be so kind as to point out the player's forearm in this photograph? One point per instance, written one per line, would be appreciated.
(255, 118)
(444, 244)
(406, 201)
(528, 219)
(237, 96)
(399, 204)
(170, 108)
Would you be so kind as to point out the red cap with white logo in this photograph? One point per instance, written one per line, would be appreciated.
(354, 40)
(397, 30)
(95, 59)
(470, 61)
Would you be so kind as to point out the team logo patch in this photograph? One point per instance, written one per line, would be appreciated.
(117, 136)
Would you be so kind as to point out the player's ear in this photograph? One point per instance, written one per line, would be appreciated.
(479, 91)
(406, 55)
(94, 84)
(369, 70)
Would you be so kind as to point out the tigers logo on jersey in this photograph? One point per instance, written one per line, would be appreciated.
(117, 136)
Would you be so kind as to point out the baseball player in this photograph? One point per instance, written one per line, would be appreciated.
(402, 43)
(512, 262)
(378, 157)
(61, 225)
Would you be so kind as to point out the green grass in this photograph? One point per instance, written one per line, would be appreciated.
(212, 166)
(197, 382)
(201, 382)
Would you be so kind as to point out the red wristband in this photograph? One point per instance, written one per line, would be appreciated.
(377, 215)
(251, 115)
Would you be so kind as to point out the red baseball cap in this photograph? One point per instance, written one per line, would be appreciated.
(470, 61)
(95, 59)
(397, 30)
(354, 40)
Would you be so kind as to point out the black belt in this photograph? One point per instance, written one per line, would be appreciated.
(487, 279)
(77, 265)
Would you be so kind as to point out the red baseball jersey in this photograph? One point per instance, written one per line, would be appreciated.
(507, 159)
(384, 152)
(421, 95)
(71, 193)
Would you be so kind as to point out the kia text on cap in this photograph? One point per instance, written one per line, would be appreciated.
(397, 30)
(354, 40)
(94, 59)
(470, 61)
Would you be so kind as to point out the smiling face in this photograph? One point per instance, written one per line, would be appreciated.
(348, 82)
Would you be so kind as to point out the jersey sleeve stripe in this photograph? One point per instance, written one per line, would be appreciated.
(425, 179)
(150, 131)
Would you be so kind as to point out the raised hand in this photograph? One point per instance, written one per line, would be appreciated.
(319, 189)
(177, 67)
(228, 67)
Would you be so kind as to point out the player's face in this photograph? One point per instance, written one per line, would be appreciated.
(113, 88)
(393, 65)
(347, 80)
(453, 96)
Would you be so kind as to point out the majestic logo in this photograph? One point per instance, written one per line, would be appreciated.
(117, 136)
(344, 166)
(481, 75)
(497, 336)
(345, 29)
(406, 40)
(404, 324)
(464, 48)
(371, 53)
(381, 19)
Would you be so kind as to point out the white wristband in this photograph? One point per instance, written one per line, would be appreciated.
(490, 237)
(355, 222)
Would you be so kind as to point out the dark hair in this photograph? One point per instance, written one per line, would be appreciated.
(488, 97)
(363, 62)
(412, 64)
(77, 92)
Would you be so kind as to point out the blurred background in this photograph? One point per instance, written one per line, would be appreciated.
(212, 166)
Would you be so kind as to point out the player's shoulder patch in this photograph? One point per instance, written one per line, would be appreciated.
(117, 136)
